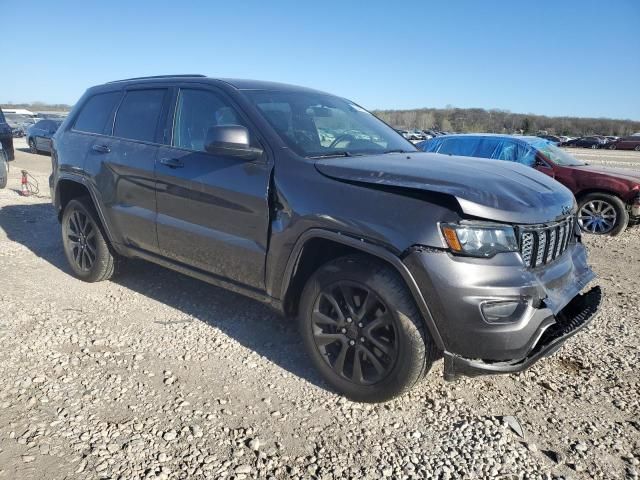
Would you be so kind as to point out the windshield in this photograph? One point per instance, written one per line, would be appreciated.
(317, 125)
(556, 154)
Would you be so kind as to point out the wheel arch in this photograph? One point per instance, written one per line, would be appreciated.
(604, 190)
(315, 247)
(69, 187)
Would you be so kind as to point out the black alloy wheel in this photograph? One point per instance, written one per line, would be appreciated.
(81, 235)
(354, 332)
(89, 255)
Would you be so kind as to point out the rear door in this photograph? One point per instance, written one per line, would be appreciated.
(126, 162)
(212, 210)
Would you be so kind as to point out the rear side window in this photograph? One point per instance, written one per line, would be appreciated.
(138, 115)
(2, 120)
(95, 113)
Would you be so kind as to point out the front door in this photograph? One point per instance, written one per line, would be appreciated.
(212, 210)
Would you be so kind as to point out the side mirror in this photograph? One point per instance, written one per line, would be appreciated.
(230, 141)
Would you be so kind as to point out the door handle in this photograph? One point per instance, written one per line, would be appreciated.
(172, 162)
(101, 148)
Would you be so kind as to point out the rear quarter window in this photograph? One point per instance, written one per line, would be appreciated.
(96, 112)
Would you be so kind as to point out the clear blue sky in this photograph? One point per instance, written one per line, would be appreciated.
(571, 57)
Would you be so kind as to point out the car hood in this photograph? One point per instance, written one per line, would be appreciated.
(620, 173)
(494, 190)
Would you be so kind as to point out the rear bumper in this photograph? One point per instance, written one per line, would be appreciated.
(573, 318)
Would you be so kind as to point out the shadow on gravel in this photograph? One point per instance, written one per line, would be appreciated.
(249, 322)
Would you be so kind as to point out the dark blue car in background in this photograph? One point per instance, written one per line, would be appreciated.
(608, 198)
(39, 135)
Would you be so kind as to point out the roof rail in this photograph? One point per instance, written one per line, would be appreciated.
(159, 76)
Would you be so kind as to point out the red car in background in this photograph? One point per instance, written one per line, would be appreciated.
(608, 198)
(631, 142)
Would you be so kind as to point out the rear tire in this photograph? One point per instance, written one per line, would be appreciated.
(637, 148)
(362, 307)
(604, 204)
(85, 245)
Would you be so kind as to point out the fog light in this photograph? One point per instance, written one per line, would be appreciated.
(503, 311)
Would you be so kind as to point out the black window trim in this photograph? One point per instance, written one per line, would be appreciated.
(264, 158)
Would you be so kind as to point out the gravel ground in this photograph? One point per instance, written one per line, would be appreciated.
(156, 375)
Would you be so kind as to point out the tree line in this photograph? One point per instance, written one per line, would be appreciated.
(38, 106)
(452, 119)
(470, 120)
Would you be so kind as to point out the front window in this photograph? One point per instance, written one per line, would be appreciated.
(317, 125)
(556, 155)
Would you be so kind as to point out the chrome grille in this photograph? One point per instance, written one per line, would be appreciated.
(542, 244)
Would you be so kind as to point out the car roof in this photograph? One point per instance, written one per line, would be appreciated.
(522, 138)
(238, 84)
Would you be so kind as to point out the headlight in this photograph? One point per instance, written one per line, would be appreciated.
(479, 240)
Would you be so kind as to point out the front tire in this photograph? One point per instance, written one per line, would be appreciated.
(363, 330)
(32, 146)
(637, 148)
(602, 214)
(85, 245)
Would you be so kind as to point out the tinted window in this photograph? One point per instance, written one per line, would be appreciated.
(42, 125)
(138, 115)
(2, 120)
(196, 113)
(95, 113)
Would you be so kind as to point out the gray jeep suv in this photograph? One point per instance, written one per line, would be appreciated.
(390, 258)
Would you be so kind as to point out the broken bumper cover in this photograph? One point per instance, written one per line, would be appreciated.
(573, 318)
(498, 316)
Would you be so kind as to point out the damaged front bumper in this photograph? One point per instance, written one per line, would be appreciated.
(498, 316)
(573, 318)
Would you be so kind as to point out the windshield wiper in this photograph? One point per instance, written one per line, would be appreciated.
(332, 154)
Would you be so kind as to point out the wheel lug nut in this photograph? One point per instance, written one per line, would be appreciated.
(352, 342)
(360, 325)
(343, 330)
(349, 320)
(362, 339)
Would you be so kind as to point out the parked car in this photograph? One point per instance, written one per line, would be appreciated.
(585, 142)
(552, 138)
(6, 137)
(631, 142)
(4, 168)
(39, 135)
(608, 198)
(390, 258)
